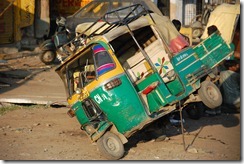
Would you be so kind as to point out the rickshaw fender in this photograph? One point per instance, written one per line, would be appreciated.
(121, 136)
(100, 132)
(48, 45)
(111, 128)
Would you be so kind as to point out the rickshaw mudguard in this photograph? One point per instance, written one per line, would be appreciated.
(102, 128)
(48, 45)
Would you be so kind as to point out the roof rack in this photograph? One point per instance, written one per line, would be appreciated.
(102, 26)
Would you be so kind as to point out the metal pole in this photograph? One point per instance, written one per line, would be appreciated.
(182, 127)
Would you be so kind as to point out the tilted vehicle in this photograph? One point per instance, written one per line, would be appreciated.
(133, 71)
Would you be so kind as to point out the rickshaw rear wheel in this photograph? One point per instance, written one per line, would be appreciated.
(110, 146)
(210, 94)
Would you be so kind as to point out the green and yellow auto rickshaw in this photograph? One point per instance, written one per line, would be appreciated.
(126, 74)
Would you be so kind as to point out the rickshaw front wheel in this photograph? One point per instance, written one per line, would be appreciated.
(110, 146)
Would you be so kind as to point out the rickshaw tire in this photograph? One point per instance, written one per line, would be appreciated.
(110, 146)
(48, 57)
(194, 110)
(210, 94)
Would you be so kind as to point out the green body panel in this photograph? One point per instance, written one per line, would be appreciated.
(154, 100)
(185, 63)
(121, 105)
(147, 81)
(213, 50)
(175, 87)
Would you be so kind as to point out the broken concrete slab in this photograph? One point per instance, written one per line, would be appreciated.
(43, 88)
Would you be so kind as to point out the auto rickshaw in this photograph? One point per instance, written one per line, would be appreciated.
(129, 73)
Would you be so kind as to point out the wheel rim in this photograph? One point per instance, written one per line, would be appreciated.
(112, 144)
(48, 56)
(212, 93)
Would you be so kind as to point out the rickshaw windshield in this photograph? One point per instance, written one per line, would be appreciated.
(104, 62)
(92, 63)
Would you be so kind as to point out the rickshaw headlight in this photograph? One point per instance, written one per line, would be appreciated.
(77, 90)
(112, 84)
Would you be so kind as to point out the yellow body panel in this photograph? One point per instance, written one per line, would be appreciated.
(78, 97)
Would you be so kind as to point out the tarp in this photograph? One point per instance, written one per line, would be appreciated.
(225, 17)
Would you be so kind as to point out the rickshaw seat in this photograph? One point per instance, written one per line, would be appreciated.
(150, 88)
(138, 65)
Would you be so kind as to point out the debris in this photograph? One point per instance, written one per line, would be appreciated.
(132, 151)
(36, 124)
(48, 125)
(167, 139)
(160, 138)
(62, 132)
(156, 157)
(192, 150)
(10, 50)
(3, 61)
(24, 154)
(4, 85)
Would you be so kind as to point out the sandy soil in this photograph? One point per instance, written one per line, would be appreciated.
(45, 133)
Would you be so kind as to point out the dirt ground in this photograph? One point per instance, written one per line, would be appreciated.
(45, 133)
(39, 132)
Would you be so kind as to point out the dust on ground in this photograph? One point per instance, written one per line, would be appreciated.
(48, 133)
